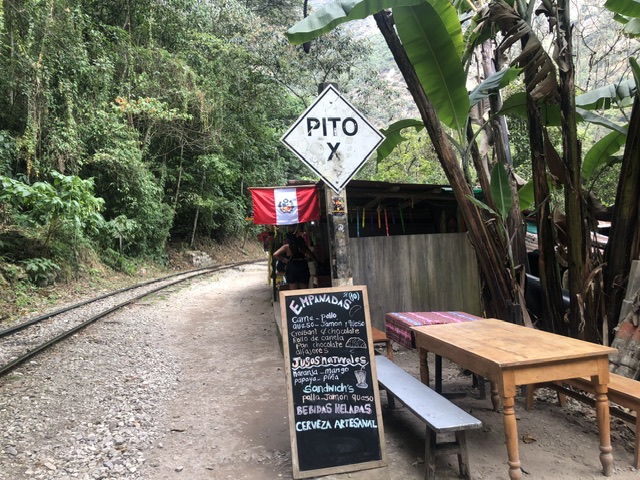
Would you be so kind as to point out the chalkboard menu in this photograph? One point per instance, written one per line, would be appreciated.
(334, 404)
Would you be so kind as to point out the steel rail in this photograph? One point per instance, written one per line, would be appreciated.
(36, 320)
(30, 354)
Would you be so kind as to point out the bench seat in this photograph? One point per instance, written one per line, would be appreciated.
(622, 391)
(379, 337)
(439, 414)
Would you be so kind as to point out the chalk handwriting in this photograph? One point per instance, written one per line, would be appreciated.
(299, 304)
(346, 409)
(334, 361)
(328, 388)
(354, 423)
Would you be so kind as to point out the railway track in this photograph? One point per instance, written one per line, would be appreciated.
(27, 339)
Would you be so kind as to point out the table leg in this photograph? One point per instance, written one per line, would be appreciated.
(604, 427)
(424, 366)
(495, 397)
(511, 436)
(438, 374)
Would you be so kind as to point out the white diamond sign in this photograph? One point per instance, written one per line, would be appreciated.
(332, 138)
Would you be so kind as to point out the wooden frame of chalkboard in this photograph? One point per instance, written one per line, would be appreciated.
(335, 419)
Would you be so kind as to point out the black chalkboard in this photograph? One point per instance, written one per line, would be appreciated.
(334, 404)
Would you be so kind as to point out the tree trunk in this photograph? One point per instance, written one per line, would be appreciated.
(195, 219)
(550, 281)
(483, 176)
(175, 200)
(515, 223)
(619, 251)
(581, 313)
(491, 257)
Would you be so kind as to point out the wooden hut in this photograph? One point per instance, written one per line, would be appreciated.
(407, 244)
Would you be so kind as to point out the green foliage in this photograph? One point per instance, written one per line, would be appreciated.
(393, 136)
(132, 191)
(8, 152)
(174, 108)
(493, 83)
(122, 229)
(134, 94)
(624, 7)
(500, 190)
(616, 94)
(66, 208)
(118, 261)
(41, 271)
(432, 37)
(526, 197)
(602, 153)
(412, 161)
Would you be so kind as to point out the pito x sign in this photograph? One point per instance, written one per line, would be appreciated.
(332, 138)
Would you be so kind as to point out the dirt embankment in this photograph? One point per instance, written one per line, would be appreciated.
(22, 300)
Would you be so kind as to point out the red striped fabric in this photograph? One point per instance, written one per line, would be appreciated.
(285, 205)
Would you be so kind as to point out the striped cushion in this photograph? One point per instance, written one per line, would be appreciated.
(399, 323)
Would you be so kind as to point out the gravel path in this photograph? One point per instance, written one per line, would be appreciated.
(93, 406)
(88, 408)
(190, 385)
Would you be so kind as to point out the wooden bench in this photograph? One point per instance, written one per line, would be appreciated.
(380, 338)
(622, 391)
(440, 415)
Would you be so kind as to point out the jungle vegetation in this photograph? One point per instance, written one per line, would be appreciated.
(130, 124)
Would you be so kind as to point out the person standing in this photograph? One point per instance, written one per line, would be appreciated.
(294, 254)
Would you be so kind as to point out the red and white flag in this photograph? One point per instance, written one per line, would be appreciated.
(285, 206)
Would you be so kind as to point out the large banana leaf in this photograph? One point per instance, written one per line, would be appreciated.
(340, 11)
(629, 8)
(393, 136)
(617, 94)
(632, 27)
(516, 104)
(526, 196)
(492, 83)
(595, 119)
(602, 153)
(435, 54)
(473, 36)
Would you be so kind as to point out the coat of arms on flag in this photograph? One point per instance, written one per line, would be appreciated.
(285, 205)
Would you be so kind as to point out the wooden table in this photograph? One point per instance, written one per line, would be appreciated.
(510, 355)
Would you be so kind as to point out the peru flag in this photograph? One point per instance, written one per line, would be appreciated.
(285, 206)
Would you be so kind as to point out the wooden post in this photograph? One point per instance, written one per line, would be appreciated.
(338, 228)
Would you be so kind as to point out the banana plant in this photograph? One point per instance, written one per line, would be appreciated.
(603, 152)
(501, 196)
(433, 70)
(431, 34)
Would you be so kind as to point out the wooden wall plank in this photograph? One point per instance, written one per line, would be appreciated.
(411, 273)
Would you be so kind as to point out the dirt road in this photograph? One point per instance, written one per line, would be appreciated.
(228, 416)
